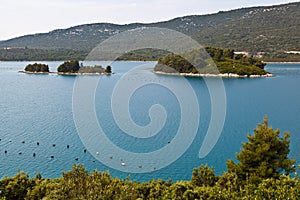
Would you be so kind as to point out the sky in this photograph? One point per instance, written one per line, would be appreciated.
(22, 17)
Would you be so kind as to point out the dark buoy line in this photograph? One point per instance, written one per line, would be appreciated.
(52, 156)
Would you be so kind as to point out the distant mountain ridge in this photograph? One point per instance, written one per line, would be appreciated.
(88, 34)
(270, 29)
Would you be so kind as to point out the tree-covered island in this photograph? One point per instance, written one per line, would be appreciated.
(199, 63)
(68, 68)
(37, 68)
(74, 68)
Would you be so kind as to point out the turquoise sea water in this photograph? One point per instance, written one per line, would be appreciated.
(38, 108)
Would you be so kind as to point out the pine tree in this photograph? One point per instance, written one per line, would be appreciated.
(108, 69)
(264, 156)
(204, 175)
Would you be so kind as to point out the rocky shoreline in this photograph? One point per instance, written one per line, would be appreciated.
(227, 75)
(70, 74)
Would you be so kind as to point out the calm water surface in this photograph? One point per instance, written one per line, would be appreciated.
(38, 108)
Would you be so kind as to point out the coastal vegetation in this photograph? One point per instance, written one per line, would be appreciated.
(36, 67)
(28, 54)
(108, 69)
(73, 67)
(198, 61)
(263, 172)
(96, 69)
(174, 64)
(91, 69)
(264, 156)
(68, 67)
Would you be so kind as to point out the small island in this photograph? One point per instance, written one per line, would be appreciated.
(228, 64)
(68, 68)
(37, 68)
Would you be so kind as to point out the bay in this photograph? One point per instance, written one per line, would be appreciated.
(38, 109)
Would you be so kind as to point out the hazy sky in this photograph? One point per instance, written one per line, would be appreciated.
(21, 17)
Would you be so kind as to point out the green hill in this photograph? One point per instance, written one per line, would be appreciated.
(268, 31)
(272, 30)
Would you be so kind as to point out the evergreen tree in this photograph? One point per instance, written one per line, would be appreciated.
(203, 176)
(264, 156)
(108, 69)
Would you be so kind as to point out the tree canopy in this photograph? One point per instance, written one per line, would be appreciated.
(91, 69)
(265, 155)
(199, 61)
(69, 67)
(37, 67)
(176, 63)
(108, 69)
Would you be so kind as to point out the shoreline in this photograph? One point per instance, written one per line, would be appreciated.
(227, 75)
(68, 73)
(287, 62)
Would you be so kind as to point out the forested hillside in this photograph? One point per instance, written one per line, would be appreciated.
(270, 31)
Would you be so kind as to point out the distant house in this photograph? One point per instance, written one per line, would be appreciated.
(242, 52)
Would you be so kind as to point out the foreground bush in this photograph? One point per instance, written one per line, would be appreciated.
(80, 184)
